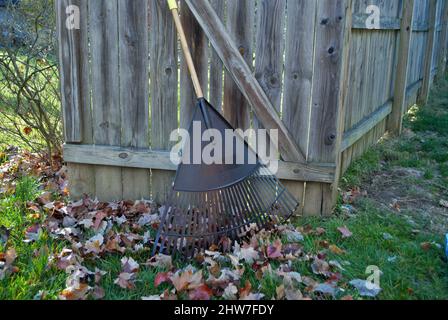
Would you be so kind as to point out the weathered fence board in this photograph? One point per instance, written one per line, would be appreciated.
(216, 65)
(240, 23)
(428, 57)
(160, 160)
(74, 57)
(270, 46)
(396, 117)
(133, 70)
(199, 50)
(164, 93)
(105, 93)
(442, 58)
(299, 62)
(326, 103)
(330, 83)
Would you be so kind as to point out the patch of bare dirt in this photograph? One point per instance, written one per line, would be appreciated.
(405, 191)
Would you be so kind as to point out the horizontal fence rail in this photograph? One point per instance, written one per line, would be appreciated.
(333, 76)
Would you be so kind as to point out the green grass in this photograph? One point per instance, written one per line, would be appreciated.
(415, 274)
(32, 261)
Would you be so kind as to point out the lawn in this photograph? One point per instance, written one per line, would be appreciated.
(390, 223)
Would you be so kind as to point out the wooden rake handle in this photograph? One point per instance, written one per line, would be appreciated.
(172, 4)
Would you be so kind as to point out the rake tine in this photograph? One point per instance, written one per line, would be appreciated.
(229, 213)
(238, 212)
(268, 189)
(246, 211)
(255, 204)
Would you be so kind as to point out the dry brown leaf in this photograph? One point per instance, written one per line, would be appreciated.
(203, 292)
(336, 250)
(346, 233)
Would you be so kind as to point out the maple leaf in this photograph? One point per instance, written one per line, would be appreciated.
(245, 291)
(160, 261)
(293, 294)
(346, 233)
(321, 267)
(113, 244)
(98, 293)
(274, 250)
(66, 258)
(186, 279)
(32, 233)
(280, 292)
(336, 250)
(78, 292)
(248, 254)
(253, 297)
(99, 216)
(129, 265)
(10, 256)
(162, 277)
(366, 288)
(94, 244)
(230, 292)
(27, 131)
(125, 280)
(154, 297)
(320, 231)
(203, 292)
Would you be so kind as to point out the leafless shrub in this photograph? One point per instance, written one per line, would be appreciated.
(29, 85)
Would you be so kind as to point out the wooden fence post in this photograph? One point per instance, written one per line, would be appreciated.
(442, 61)
(423, 94)
(395, 120)
(332, 34)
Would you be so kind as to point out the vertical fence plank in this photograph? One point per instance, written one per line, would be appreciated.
(269, 49)
(442, 58)
(164, 85)
(105, 92)
(198, 44)
(216, 65)
(299, 61)
(423, 95)
(332, 26)
(240, 23)
(75, 91)
(133, 70)
(70, 58)
(395, 120)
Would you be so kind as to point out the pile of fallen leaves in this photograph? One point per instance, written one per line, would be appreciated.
(94, 230)
(50, 171)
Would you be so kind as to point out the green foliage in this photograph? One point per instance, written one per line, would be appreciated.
(26, 189)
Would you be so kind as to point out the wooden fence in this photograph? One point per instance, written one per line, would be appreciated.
(312, 69)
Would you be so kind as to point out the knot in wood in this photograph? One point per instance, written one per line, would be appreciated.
(330, 139)
(123, 155)
(242, 50)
